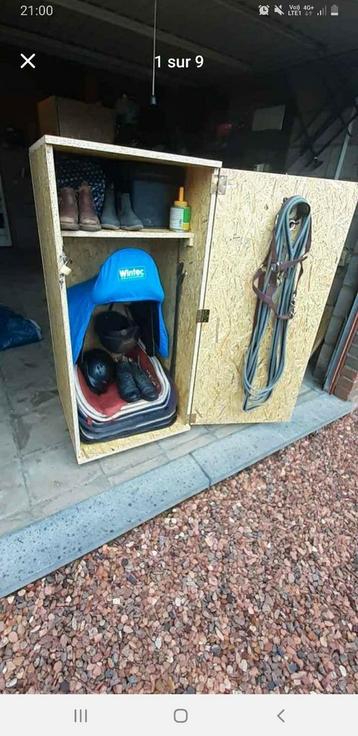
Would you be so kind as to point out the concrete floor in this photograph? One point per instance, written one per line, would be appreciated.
(39, 474)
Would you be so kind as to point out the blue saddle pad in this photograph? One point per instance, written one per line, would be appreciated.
(128, 275)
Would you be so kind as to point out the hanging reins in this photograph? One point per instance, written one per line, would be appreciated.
(275, 284)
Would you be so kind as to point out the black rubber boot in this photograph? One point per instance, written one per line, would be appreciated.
(128, 218)
(109, 218)
(126, 384)
(145, 386)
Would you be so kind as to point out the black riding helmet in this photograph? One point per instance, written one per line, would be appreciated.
(116, 333)
(98, 369)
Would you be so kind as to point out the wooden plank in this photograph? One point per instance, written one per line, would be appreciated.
(72, 145)
(112, 447)
(152, 234)
(244, 220)
(87, 257)
(198, 189)
(45, 195)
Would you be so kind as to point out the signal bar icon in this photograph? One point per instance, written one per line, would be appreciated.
(323, 11)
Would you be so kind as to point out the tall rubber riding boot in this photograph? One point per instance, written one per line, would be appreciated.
(68, 210)
(128, 218)
(109, 219)
(88, 217)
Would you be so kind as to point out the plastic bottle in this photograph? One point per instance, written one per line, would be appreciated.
(180, 214)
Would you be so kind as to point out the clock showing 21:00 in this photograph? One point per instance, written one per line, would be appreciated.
(36, 10)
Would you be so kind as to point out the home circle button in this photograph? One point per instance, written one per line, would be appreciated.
(181, 715)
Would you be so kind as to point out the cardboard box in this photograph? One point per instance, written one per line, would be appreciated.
(75, 119)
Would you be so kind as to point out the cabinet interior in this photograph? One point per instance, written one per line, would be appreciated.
(85, 253)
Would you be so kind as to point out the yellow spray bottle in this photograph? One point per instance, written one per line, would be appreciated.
(180, 214)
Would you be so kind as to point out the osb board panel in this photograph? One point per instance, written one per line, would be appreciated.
(198, 193)
(45, 194)
(244, 220)
(72, 145)
(103, 449)
(87, 255)
(160, 233)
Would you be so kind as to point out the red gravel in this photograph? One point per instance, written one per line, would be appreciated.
(248, 587)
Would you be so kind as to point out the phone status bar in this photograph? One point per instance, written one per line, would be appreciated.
(298, 10)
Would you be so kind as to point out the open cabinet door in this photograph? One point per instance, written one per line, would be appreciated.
(246, 208)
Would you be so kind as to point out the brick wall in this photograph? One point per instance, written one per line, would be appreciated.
(347, 384)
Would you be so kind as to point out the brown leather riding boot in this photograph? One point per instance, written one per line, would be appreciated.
(88, 217)
(68, 210)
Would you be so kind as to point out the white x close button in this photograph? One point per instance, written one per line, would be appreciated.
(27, 61)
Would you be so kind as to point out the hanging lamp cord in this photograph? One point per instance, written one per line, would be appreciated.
(275, 284)
(153, 99)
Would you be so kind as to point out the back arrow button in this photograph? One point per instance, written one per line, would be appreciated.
(279, 715)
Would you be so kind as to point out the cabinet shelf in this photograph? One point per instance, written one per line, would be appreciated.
(152, 233)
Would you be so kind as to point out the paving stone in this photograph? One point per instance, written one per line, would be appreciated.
(3, 396)
(225, 430)
(46, 545)
(182, 438)
(67, 499)
(29, 377)
(41, 429)
(19, 363)
(304, 389)
(52, 473)
(185, 448)
(305, 398)
(138, 469)
(8, 449)
(14, 522)
(13, 493)
(116, 464)
(231, 454)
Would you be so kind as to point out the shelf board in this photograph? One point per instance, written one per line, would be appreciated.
(152, 233)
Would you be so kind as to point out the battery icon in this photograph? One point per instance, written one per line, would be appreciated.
(334, 10)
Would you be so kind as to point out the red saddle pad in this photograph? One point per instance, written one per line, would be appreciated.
(110, 402)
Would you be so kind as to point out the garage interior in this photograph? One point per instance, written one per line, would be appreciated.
(275, 94)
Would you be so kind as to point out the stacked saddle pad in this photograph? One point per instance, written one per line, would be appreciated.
(107, 416)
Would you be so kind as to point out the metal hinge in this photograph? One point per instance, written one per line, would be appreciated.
(64, 268)
(202, 315)
(219, 184)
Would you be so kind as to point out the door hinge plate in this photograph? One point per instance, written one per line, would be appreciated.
(202, 315)
(222, 184)
(64, 268)
(219, 184)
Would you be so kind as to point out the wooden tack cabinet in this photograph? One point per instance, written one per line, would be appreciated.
(233, 213)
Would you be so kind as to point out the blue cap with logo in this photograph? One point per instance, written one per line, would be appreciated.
(128, 275)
